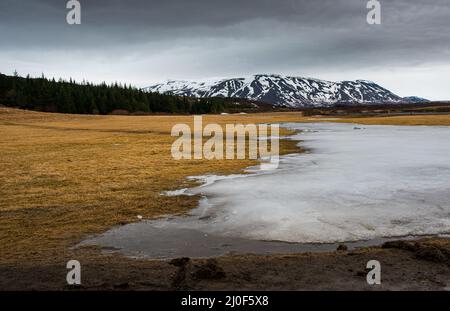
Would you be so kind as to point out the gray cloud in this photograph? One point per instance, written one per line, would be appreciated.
(146, 41)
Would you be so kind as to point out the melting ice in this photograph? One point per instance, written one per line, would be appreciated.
(354, 183)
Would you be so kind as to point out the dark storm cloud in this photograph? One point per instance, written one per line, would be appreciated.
(179, 13)
(155, 40)
(42, 22)
(412, 24)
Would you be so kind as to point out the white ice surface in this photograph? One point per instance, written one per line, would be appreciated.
(354, 184)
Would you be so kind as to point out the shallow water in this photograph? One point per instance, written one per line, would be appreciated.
(355, 183)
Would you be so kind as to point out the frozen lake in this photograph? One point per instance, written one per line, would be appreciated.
(355, 183)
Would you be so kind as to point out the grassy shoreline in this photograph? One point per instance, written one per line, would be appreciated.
(65, 177)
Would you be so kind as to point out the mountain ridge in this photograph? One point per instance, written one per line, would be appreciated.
(278, 90)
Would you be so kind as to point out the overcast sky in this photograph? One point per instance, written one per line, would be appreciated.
(145, 41)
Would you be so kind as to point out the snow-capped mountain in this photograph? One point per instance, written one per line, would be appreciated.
(283, 90)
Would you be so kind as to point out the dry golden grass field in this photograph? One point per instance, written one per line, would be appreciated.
(439, 120)
(64, 177)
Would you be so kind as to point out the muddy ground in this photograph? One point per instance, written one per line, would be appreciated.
(405, 265)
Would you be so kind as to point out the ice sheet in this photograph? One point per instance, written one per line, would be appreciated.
(356, 183)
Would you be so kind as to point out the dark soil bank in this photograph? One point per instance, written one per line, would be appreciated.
(405, 265)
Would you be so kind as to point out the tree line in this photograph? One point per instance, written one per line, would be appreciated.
(49, 95)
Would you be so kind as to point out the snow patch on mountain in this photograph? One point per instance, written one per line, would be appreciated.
(415, 99)
(283, 90)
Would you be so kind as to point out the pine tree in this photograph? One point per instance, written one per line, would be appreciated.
(70, 97)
